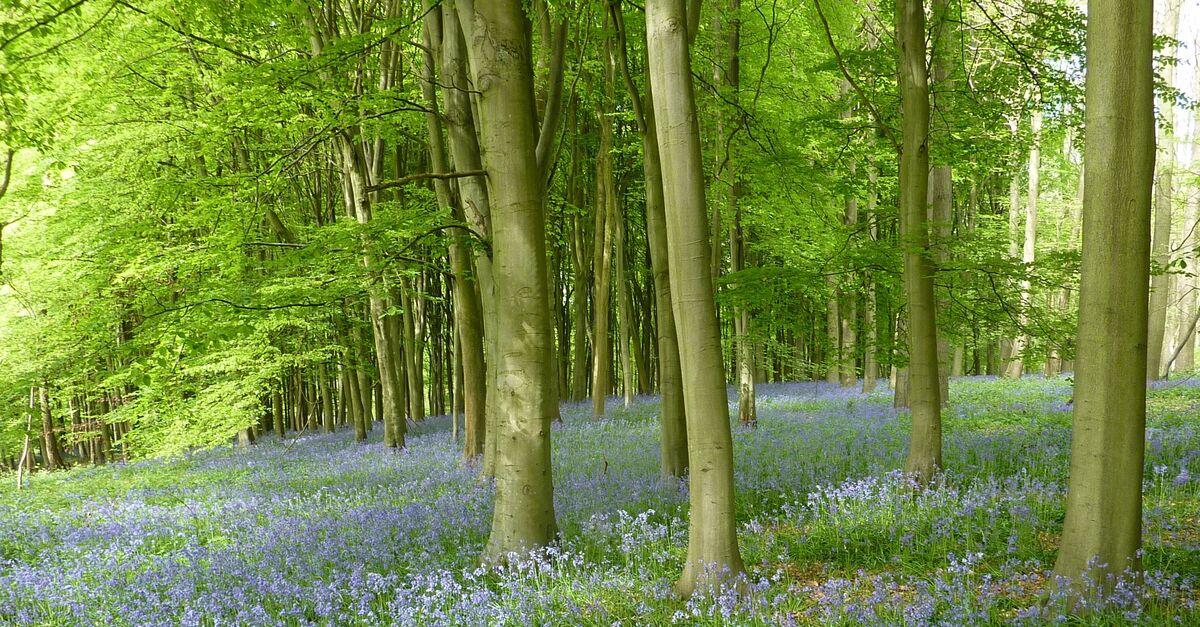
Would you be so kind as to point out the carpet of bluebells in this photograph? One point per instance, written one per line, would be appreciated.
(320, 530)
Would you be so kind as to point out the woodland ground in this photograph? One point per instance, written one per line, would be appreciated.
(319, 529)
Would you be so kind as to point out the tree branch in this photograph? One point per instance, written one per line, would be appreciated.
(400, 182)
(41, 22)
(883, 127)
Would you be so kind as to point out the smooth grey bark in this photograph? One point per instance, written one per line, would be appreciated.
(1186, 339)
(833, 341)
(1014, 241)
(870, 359)
(941, 176)
(605, 210)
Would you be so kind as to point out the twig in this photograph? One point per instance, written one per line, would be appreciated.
(400, 182)
(883, 127)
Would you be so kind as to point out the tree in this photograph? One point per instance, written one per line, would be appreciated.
(1102, 532)
(1163, 199)
(713, 555)
(924, 395)
(501, 64)
(673, 426)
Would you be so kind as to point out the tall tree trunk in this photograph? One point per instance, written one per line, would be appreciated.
(673, 426)
(833, 342)
(473, 194)
(747, 406)
(1102, 532)
(1028, 251)
(277, 411)
(499, 50)
(941, 177)
(624, 308)
(1007, 354)
(579, 318)
(730, 85)
(414, 362)
(713, 552)
(848, 312)
(327, 415)
(1163, 198)
(51, 448)
(924, 396)
(602, 249)
(1189, 285)
(870, 359)
(468, 309)
(357, 167)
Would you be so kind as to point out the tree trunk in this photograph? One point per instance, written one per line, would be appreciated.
(713, 554)
(747, 409)
(848, 313)
(1028, 251)
(277, 412)
(327, 415)
(1163, 198)
(523, 518)
(870, 359)
(624, 309)
(473, 194)
(357, 168)
(1103, 527)
(673, 426)
(924, 396)
(833, 342)
(468, 311)
(1007, 354)
(1189, 284)
(941, 177)
(52, 449)
(602, 251)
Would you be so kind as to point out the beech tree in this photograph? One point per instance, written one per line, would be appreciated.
(713, 553)
(924, 395)
(502, 70)
(1102, 533)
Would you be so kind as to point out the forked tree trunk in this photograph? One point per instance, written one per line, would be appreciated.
(1102, 532)
(673, 426)
(713, 553)
(473, 194)
(467, 337)
(499, 50)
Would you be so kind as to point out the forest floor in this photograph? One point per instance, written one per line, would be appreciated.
(319, 529)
